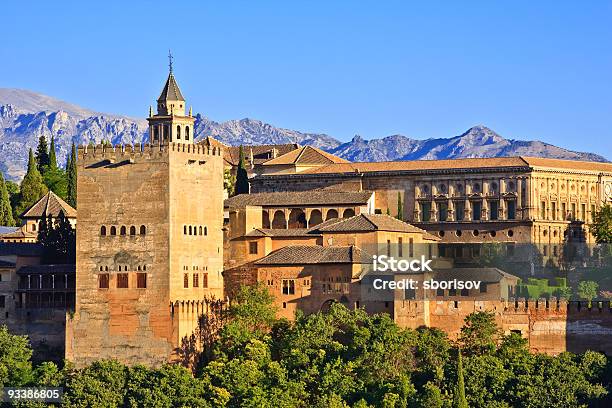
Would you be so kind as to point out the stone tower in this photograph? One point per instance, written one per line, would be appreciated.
(170, 124)
(149, 242)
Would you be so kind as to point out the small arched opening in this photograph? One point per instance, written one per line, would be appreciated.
(331, 214)
(265, 219)
(297, 218)
(316, 218)
(348, 213)
(279, 221)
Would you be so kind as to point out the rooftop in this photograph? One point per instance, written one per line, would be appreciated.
(371, 222)
(171, 91)
(305, 155)
(314, 255)
(300, 198)
(49, 204)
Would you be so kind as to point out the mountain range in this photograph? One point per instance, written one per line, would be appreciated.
(26, 115)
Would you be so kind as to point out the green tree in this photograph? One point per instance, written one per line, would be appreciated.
(15, 355)
(52, 156)
(6, 211)
(53, 176)
(102, 384)
(58, 239)
(587, 290)
(479, 333)
(71, 178)
(229, 182)
(242, 178)
(430, 397)
(42, 154)
(601, 227)
(400, 207)
(459, 400)
(32, 187)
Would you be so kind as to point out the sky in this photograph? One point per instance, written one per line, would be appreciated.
(528, 70)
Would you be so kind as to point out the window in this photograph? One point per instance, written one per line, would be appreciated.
(411, 247)
(33, 227)
(143, 230)
(123, 230)
(593, 211)
(443, 211)
(190, 230)
(253, 248)
(563, 211)
(574, 214)
(400, 249)
(483, 287)
(439, 292)
(122, 280)
(113, 230)
(196, 280)
(205, 231)
(543, 210)
(410, 294)
(288, 287)
(425, 212)
(465, 292)
(459, 210)
(204, 280)
(141, 280)
(200, 230)
(583, 212)
(2, 302)
(103, 230)
(452, 292)
(184, 229)
(178, 132)
(476, 210)
(186, 132)
(494, 209)
(553, 209)
(511, 209)
(186, 280)
(389, 247)
(132, 230)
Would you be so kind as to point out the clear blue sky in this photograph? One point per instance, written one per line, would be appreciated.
(527, 69)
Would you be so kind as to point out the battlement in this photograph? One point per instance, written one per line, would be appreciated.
(125, 152)
(521, 305)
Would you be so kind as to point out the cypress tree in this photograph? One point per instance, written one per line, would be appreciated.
(6, 211)
(42, 154)
(242, 178)
(71, 178)
(52, 157)
(400, 207)
(459, 399)
(32, 186)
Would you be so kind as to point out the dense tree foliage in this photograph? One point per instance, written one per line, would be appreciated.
(601, 227)
(42, 154)
(58, 239)
(32, 186)
(6, 211)
(342, 358)
(54, 177)
(242, 177)
(71, 178)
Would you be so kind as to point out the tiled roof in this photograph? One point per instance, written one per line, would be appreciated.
(20, 249)
(373, 222)
(261, 153)
(50, 204)
(305, 155)
(171, 91)
(279, 232)
(6, 264)
(300, 198)
(315, 254)
(365, 167)
(568, 164)
(47, 269)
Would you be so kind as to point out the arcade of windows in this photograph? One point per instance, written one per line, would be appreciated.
(122, 230)
(441, 211)
(122, 277)
(195, 277)
(195, 230)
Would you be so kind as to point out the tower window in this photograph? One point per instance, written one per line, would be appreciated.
(103, 279)
(190, 230)
(122, 280)
(178, 132)
(196, 280)
(200, 230)
(123, 230)
(204, 280)
(103, 230)
(132, 230)
(186, 280)
(143, 230)
(184, 229)
(205, 231)
(186, 132)
(113, 230)
(141, 280)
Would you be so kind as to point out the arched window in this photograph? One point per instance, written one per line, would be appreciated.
(143, 230)
(123, 230)
(113, 230)
(205, 231)
(200, 230)
(103, 230)
(106, 269)
(186, 132)
(190, 230)
(155, 133)
(178, 131)
(132, 230)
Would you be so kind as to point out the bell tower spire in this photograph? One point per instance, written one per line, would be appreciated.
(170, 124)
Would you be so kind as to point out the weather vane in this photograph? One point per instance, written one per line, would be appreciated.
(170, 59)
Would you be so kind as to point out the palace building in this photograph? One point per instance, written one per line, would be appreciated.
(149, 241)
